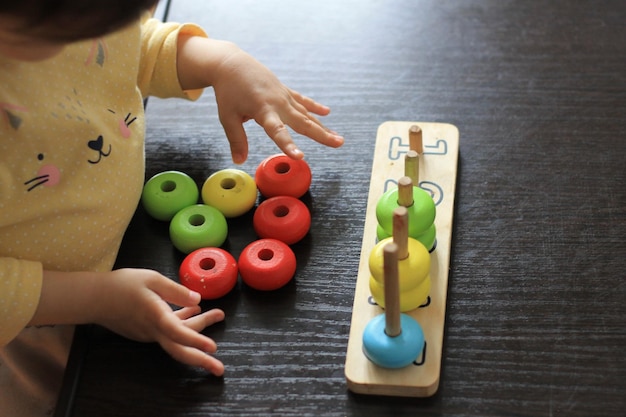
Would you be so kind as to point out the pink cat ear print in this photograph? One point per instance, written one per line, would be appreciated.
(48, 175)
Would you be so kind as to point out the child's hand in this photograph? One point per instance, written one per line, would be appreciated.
(134, 303)
(245, 89)
(248, 90)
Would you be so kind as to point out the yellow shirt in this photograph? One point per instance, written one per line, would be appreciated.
(71, 173)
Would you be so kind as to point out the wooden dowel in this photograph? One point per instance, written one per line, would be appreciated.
(405, 192)
(401, 231)
(392, 290)
(415, 139)
(412, 166)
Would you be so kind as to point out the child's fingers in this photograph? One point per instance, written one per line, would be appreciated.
(187, 312)
(277, 131)
(194, 357)
(307, 125)
(305, 112)
(302, 109)
(302, 124)
(198, 322)
(173, 292)
(170, 329)
(310, 104)
(204, 320)
(237, 138)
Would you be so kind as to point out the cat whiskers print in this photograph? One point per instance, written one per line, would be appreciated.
(48, 175)
(125, 124)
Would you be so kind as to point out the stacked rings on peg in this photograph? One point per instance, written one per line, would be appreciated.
(166, 193)
(421, 209)
(393, 352)
(414, 275)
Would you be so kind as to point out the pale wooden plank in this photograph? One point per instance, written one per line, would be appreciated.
(437, 171)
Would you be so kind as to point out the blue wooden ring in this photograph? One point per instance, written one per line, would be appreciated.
(393, 352)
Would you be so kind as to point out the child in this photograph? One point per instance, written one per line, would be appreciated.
(72, 78)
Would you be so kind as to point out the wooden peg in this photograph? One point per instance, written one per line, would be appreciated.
(405, 192)
(415, 139)
(412, 166)
(401, 231)
(392, 290)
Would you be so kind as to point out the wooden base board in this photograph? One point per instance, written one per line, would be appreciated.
(438, 170)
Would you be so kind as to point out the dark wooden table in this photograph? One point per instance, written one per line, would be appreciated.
(536, 315)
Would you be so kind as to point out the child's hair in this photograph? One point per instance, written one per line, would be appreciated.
(72, 20)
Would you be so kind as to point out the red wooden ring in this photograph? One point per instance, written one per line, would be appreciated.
(282, 217)
(212, 272)
(267, 264)
(281, 175)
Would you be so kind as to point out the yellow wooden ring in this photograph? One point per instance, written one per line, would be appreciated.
(409, 299)
(412, 270)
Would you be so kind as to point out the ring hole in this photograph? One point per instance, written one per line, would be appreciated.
(228, 183)
(207, 264)
(281, 211)
(266, 254)
(282, 168)
(168, 186)
(196, 220)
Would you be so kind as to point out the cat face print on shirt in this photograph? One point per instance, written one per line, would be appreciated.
(47, 170)
(102, 149)
(47, 175)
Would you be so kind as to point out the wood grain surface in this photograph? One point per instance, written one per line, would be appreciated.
(536, 313)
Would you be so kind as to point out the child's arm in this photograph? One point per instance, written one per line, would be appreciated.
(245, 89)
(132, 303)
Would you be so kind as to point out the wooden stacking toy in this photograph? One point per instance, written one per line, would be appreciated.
(416, 142)
(412, 167)
(421, 212)
(438, 159)
(392, 339)
(413, 266)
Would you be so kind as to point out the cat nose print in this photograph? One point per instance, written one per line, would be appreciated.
(98, 146)
(48, 175)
